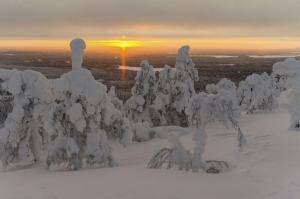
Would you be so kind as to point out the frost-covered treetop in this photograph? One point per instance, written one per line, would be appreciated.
(145, 79)
(30, 83)
(226, 84)
(286, 67)
(77, 44)
(185, 66)
(254, 80)
(183, 54)
(290, 68)
(77, 47)
(80, 81)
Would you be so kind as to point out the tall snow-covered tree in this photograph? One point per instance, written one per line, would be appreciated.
(142, 107)
(164, 91)
(290, 69)
(23, 137)
(182, 87)
(64, 122)
(82, 118)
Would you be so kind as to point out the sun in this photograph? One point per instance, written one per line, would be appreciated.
(122, 43)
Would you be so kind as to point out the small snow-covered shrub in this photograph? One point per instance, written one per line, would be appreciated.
(174, 156)
(203, 109)
(142, 132)
(258, 92)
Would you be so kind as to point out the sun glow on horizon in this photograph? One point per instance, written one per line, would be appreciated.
(124, 43)
(157, 45)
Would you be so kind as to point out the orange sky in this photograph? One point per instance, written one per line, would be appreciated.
(151, 45)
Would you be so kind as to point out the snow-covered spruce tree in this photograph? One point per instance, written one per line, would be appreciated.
(141, 107)
(290, 68)
(163, 102)
(81, 119)
(23, 137)
(258, 92)
(164, 89)
(203, 109)
(183, 88)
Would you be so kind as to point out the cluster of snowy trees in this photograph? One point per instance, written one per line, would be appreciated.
(258, 92)
(220, 104)
(66, 123)
(163, 101)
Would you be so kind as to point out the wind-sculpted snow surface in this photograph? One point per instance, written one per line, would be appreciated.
(290, 69)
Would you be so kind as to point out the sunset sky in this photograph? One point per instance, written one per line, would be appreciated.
(157, 24)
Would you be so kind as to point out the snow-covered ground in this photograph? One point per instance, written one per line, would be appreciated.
(269, 168)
